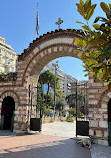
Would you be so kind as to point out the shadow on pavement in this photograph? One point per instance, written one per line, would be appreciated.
(54, 149)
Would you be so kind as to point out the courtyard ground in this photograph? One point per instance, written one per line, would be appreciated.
(41, 146)
(61, 129)
(47, 145)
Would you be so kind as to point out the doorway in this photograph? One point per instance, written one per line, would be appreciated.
(7, 113)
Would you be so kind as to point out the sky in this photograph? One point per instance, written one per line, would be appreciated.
(17, 25)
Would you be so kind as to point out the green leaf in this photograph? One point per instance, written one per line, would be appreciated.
(87, 5)
(103, 19)
(80, 9)
(77, 41)
(110, 5)
(104, 7)
(86, 27)
(81, 43)
(77, 50)
(97, 19)
(82, 2)
(85, 75)
(79, 22)
(91, 11)
(96, 26)
(90, 65)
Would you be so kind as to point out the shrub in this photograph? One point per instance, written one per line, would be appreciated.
(69, 119)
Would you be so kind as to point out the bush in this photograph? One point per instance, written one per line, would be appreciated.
(79, 114)
(69, 119)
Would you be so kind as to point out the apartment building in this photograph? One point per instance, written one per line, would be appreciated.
(66, 80)
(7, 57)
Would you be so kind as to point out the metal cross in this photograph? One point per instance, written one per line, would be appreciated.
(59, 22)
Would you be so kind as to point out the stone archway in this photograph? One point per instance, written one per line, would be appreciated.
(7, 113)
(43, 50)
(30, 63)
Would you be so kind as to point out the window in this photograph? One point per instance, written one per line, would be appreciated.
(12, 69)
(5, 61)
(12, 56)
(6, 53)
(6, 69)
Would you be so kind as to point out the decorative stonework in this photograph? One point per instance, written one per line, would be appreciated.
(30, 63)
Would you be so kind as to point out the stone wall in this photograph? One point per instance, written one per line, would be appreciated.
(98, 112)
(30, 64)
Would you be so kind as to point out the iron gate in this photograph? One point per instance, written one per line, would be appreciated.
(35, 108)
(82, 120)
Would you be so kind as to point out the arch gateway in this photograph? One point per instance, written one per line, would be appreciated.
(30, 63)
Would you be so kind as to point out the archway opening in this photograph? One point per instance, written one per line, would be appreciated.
(7, 113)
(109, 122)
(61, 112)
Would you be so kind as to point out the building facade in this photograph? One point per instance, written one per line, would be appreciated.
(7, 57)
(66, 80)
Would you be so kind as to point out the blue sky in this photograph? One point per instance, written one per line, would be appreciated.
(17, 24)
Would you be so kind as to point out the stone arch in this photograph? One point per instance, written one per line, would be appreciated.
(12, 94)
(46, 48)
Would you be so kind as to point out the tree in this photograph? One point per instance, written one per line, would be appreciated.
(95, 45)
(60, 103)
(48, 78)
(50, 100)
(71, 99)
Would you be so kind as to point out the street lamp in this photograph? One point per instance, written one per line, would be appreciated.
(56, 67)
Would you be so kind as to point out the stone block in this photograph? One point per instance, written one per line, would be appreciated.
(103, 124)
(103, 142)
(104, 106)
(106, 134)
(93, 90)
(91, 132)
(109, 94)
(98, 133)
(105, 116)
(90, 115)
(93, 123)
(97, 115)
(16, 112)
(55, 49)
(94, 102)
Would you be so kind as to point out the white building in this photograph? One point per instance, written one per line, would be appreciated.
(66, 80)
(7, 57)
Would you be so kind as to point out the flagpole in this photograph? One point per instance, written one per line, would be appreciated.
(37, 22)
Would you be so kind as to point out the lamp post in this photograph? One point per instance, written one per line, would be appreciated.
(56, 67)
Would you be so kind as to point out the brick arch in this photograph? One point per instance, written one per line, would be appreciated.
(104, 98)
(12, 94)
(43, 50)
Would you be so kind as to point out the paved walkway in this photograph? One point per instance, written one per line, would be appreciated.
(60, 129)
(41, 146)
(45, 145)
(100, 151)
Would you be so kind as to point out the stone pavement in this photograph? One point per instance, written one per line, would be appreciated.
(100, 151)
(41, 146)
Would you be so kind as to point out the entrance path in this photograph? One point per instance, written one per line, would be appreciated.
(61, 129)
(41, 146)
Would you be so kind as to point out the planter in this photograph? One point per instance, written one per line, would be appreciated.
(35, 124)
